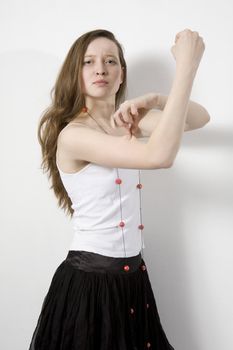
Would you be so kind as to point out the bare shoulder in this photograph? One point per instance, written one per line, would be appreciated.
(64, 161)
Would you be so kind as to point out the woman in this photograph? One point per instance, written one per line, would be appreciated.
(100, 297)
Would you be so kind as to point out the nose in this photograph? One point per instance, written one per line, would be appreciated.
(100, 69)
(100, 72)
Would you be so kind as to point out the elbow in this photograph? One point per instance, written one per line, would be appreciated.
(206, 118)
(205, 121)
(168, 165)
(164, 165)
(160, 161)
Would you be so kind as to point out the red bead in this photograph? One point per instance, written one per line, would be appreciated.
(118, 181)
(141, 227)
(139, 185)
(143, 267)
(131, 310)
(84, 109)
(122, 224)
(126, 267)
(147, 305)
(148, 345)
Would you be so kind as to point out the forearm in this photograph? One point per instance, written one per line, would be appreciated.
(197, 115)
(166, 137)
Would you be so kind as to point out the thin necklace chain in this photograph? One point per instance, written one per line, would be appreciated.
(140, 199)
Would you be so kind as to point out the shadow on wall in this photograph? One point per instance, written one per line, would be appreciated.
(147, 75)
(198, 187)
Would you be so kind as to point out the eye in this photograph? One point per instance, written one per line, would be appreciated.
(112, 61)
(86, 61)
(109, 61)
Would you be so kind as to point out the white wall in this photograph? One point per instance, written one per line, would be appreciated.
(187, 209)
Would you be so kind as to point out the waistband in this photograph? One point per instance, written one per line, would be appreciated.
(93, 262)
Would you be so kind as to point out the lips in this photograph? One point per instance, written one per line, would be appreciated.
(100, 82)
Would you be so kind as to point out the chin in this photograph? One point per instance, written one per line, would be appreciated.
(100, 95)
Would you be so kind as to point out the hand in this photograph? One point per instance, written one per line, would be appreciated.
(132, 111)
(188, 49)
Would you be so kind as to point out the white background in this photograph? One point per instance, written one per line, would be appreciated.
(187, 209)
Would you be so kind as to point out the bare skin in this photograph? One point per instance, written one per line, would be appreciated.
(68, 165)
(164, 128)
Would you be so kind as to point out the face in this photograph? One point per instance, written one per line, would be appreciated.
(101, 62)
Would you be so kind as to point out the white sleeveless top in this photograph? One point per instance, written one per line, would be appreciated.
(97, 211)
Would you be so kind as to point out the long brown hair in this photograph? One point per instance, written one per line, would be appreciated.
(67, 103)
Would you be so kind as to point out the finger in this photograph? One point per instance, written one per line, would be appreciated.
(134, 129)
(126, 117)
(134, 109)
(177, 36)
(135, 126)
(128, 128)
(181, 32)
(118, 119)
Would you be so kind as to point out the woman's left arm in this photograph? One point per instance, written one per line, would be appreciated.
(144, 113)
(197, 115)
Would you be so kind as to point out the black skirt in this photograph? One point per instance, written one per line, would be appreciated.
(97, 302)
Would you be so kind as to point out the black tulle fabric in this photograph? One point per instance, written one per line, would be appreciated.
(94, 304)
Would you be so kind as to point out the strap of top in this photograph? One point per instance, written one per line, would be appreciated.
(76, 123)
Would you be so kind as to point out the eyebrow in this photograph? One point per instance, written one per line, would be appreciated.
(104, 55)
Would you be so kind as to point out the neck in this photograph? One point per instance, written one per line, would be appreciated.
(100, 109)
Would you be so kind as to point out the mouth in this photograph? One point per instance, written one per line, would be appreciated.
(100, 82)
